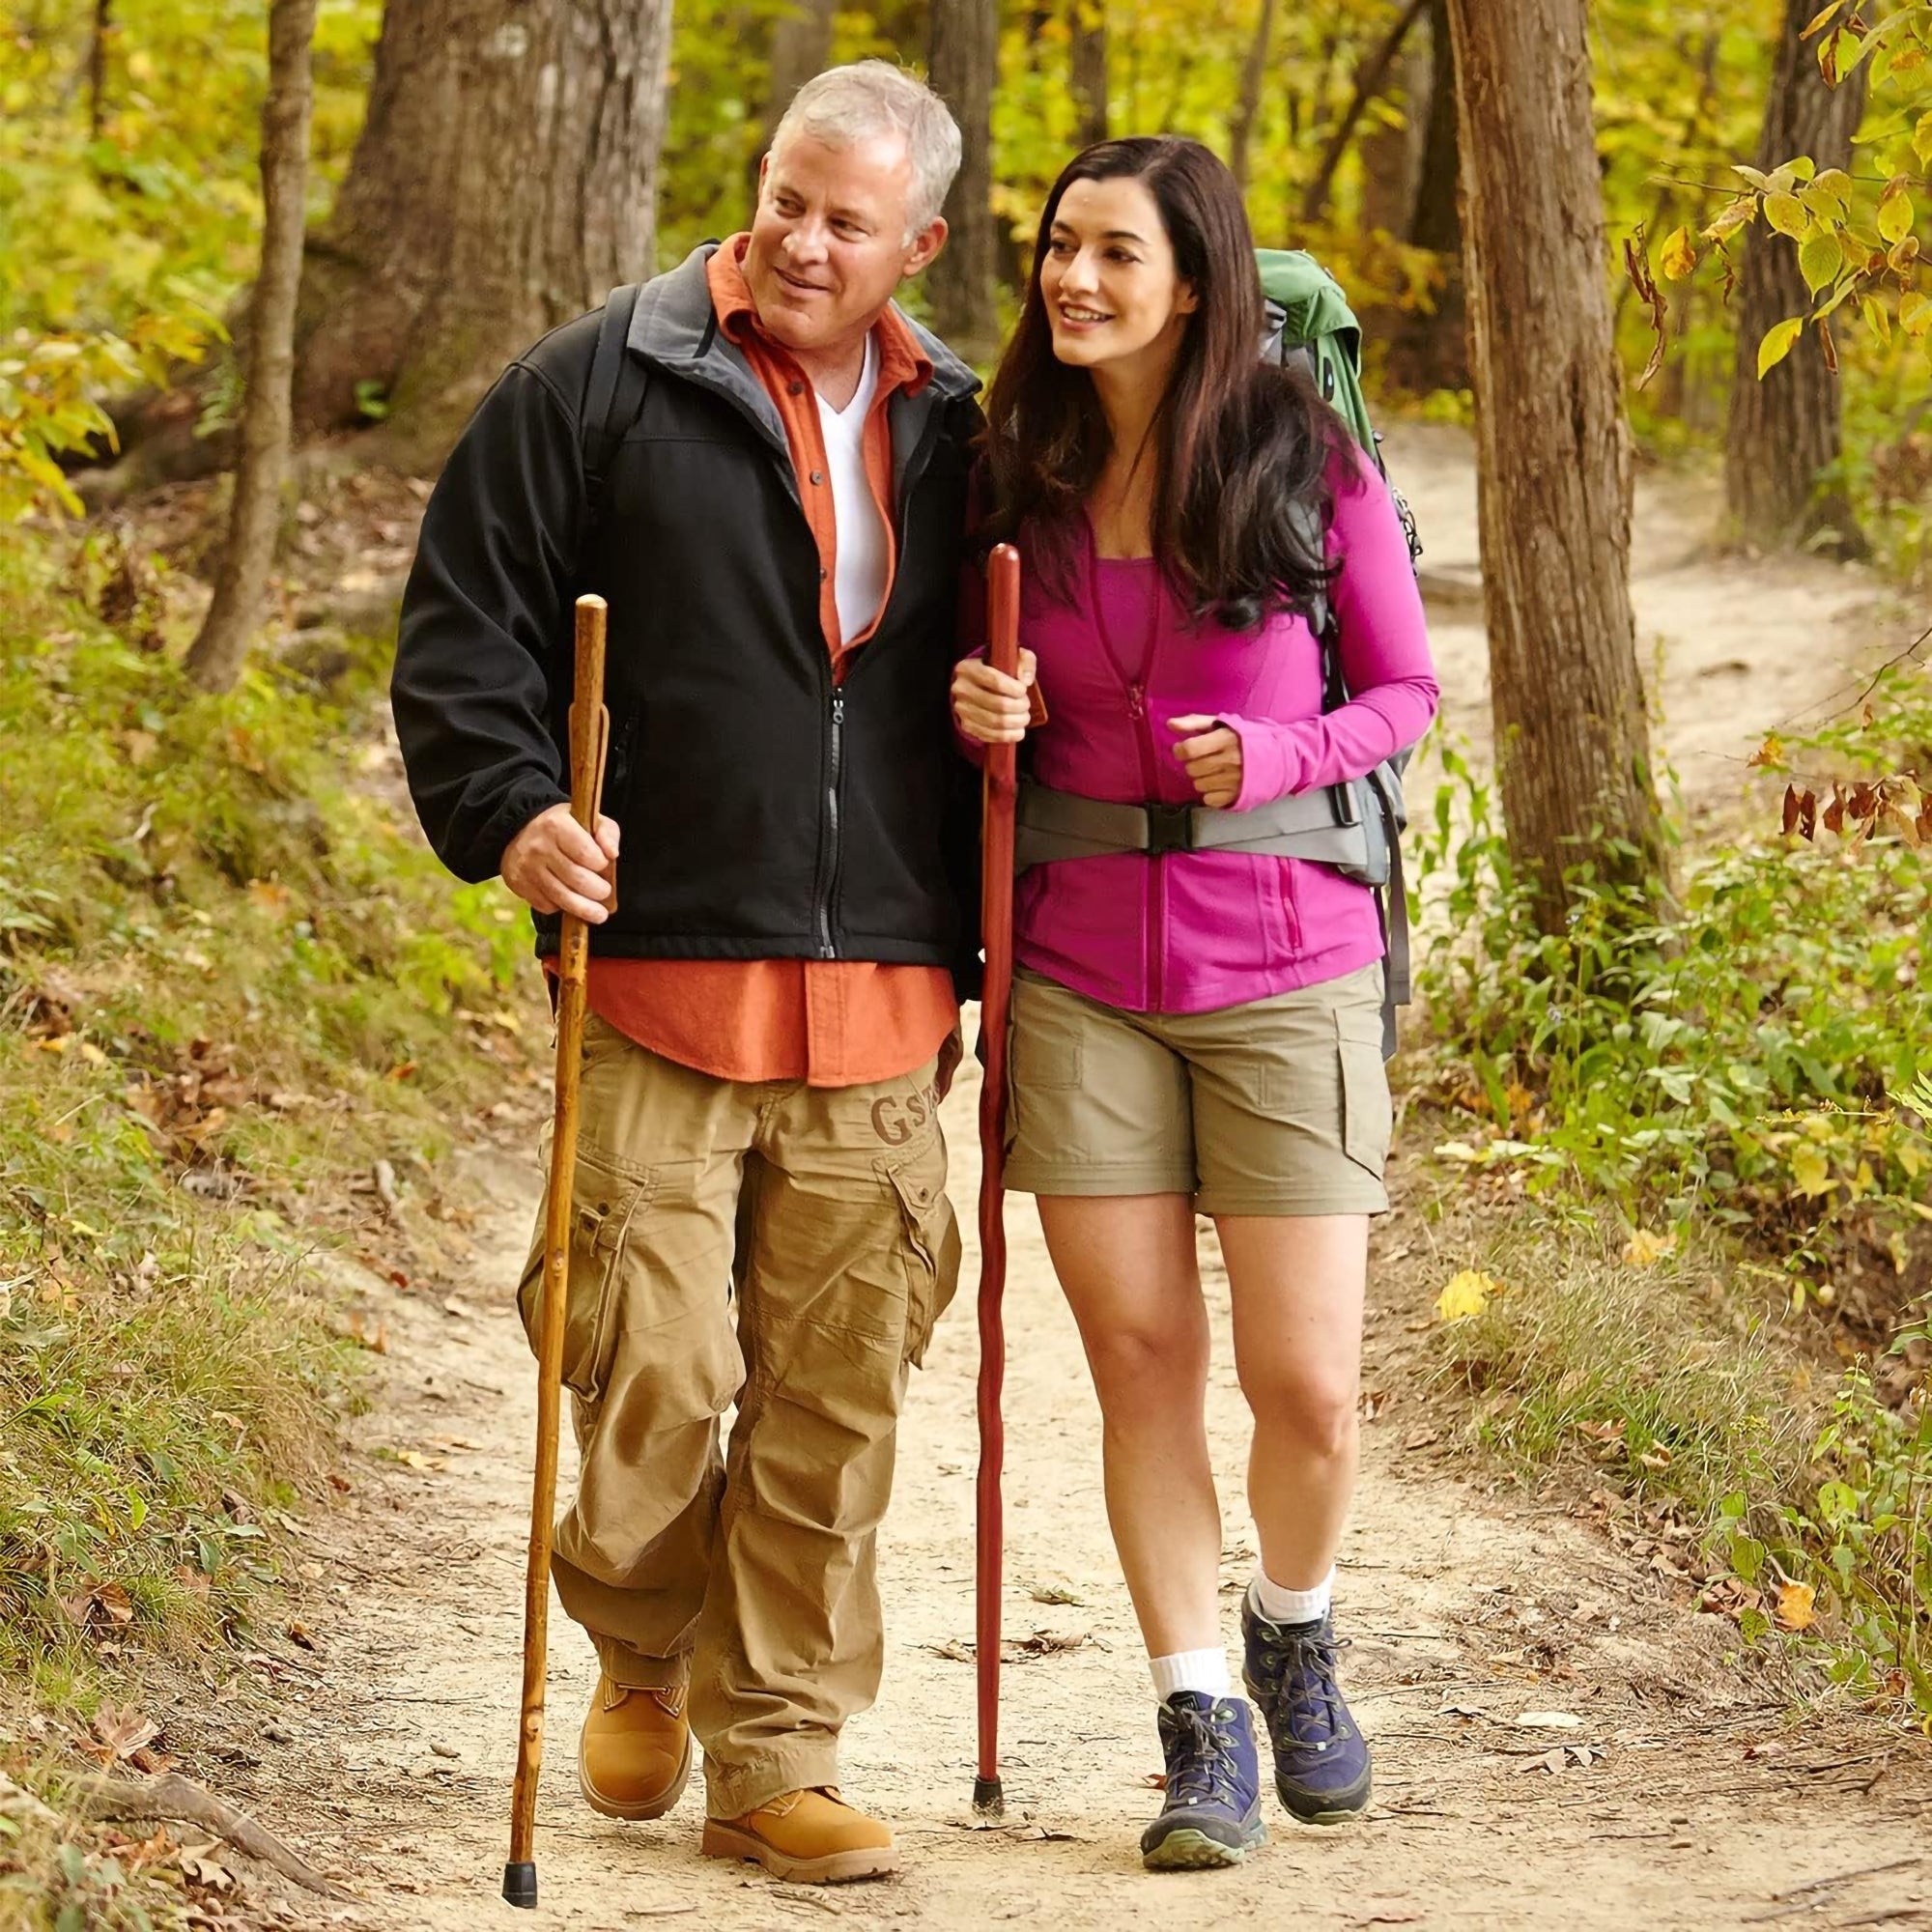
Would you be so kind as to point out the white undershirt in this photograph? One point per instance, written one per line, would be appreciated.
(860, 579)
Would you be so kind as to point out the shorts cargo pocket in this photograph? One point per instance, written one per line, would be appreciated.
(930, 1251)
(1367, 1112)
(604, 1198)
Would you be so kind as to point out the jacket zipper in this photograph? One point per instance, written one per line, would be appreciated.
(1137, 709)
(835, 772)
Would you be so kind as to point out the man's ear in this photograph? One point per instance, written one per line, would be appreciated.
(764, 169)
(925, 247)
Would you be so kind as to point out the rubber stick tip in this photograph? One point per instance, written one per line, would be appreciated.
(519, 1884)
(989, 1800)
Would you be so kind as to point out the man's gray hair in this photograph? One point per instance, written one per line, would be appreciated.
(846, 105)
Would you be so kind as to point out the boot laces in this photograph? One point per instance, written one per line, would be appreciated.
(1200, 1755)
(1309, 1700)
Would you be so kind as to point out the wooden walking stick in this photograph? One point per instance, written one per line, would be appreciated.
(589, 741)
(996, 926)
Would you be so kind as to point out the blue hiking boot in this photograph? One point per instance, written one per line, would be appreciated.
(1321, 1758)
(1212, 1816)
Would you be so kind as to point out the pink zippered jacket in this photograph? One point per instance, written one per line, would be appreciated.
(1193, 931)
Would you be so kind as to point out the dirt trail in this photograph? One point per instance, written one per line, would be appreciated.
(1700, 1802)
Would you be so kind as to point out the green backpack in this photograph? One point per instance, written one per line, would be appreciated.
(1309, 321)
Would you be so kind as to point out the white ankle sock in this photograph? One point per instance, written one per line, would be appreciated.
(1201, 1670)
(1281, 1606)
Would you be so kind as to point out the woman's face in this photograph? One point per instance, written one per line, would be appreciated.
(1112, 295)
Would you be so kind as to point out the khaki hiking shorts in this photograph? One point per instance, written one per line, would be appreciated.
(1280, 1106)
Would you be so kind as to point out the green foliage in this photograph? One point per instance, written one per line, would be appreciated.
(1731, 1063)
(125, 247)
(228, 982)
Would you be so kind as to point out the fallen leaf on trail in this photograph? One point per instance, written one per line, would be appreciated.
(1646, 1248)
(414, 1459)
(1423, 1438)
(299, 1632)
(1548, 1720)
(955, 1652)
(1372, 1401)
(1468, 1293)
(1795, 1606)
(200, 1867)
(458, 1308)
(122, 1733)
(1055, 1593)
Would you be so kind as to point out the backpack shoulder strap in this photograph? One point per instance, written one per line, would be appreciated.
(613, 395)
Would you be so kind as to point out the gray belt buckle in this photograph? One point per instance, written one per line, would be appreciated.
(1170, 829)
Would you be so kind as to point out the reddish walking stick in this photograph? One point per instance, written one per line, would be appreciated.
(996, 926)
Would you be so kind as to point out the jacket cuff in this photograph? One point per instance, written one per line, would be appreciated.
(524, 801)
(1269, 770)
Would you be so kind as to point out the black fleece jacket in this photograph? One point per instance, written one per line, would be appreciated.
(765, 812)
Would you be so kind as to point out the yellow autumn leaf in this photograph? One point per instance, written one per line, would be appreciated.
(1468, 1293)
(1776, 343)
(1795, 1606)
(1679, 257)
(1647, 1247)
(1813, 1173)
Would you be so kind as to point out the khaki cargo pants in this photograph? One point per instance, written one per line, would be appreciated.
(744, 1570)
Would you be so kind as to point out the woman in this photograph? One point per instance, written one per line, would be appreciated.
(1199, 1029)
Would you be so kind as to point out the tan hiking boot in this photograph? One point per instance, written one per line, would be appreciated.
(812, 1837)
(633, 1758)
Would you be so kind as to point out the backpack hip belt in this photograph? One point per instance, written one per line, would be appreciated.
(1354, 828)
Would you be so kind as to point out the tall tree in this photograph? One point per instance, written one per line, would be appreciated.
(1430, 351)
(964, 64)
(1553, 450)
(1247, 109)
(1087, 69)
(1371, 78)
(1392, 150)
(505, 179)
(214, 658)
(1786, 430)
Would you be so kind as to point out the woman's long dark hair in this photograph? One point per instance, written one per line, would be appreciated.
(1238, 443)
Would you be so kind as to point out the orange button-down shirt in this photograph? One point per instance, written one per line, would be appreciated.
(827, 1022)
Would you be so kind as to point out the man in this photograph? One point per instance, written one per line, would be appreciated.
(772, 981)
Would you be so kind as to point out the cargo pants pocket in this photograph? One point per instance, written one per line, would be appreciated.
(605, 1197)
(1368, 1114)
(930, 1247)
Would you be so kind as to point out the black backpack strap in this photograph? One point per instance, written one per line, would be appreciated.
(613, 396)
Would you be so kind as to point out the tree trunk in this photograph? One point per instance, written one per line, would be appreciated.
(801, 47)
(964, 65)
(1371, 77)
(1087, 64)
(1786, 429)
(1431, 351)
(1392, 156)
(214, 658)
(504, 180)
(1553, 478)
(1254, 71)
(96, 66)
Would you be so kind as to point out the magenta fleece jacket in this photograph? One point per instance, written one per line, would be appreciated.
(1194, 931)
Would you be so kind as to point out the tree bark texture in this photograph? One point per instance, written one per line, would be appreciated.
(1247, 109)
(1553, 477)
(1430, 351)
(1786, 429)
(1087, 64)
(214, 658)
(504, 180)
(965, 55)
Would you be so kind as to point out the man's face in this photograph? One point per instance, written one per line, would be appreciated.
(829, 240)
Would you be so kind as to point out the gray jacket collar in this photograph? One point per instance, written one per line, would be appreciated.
(674, 328)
